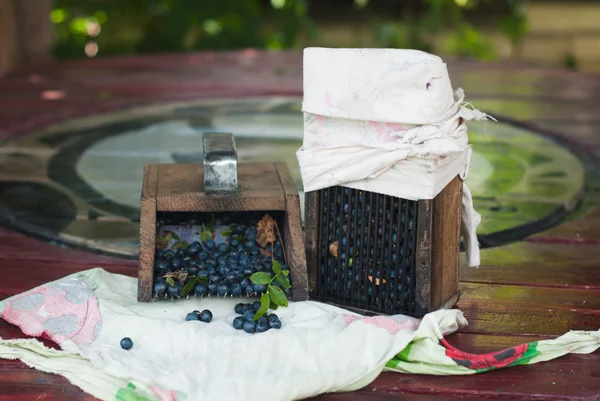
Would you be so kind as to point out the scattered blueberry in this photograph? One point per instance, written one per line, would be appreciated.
(249, 326)
(261, 327)
(248, 314)
(240, 308)
(160, 288)
(126, 343)
(238, 323)
(191, 316)
(206, 316)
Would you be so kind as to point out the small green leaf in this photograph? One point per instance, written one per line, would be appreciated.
(180, 244)
(260, 278)
(285, 273)
(201, 280)
(265, 301)
(225, 233)
(189, 287)
(278, 296)
(205, 236)
(170, 281)
(273, 306)
(238, 238)
(276, 267)
(350, 262)
(284, 282)
(233, 227)
(175, 236)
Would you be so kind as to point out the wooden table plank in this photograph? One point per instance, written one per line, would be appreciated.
(537, 264)
(527, 310)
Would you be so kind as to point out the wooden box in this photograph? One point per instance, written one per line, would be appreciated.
(375, 253)
(264, 187)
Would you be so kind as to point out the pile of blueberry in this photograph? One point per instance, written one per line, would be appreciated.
(247, 323)
(217, 270)
(367, 243)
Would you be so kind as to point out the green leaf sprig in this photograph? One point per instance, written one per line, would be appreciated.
(274, 297)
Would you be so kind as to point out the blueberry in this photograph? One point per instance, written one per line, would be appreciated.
(238, 323)
(248, 314)
(160, 288)
(245, 282)
(202, 273)
(176, 263)
(256, 306)
(161, 266)
(202, 256)
(211, 263)
(272, 318)
(255, 251)
(248, 271)
(275, 324)
(231, 277)
(222, 289)
(126, 343)
(234, 255)
(212, 288)
(250, 290)
(236, 289)
(192, 270)
(168, 254)
(249, 245)
(174, 290)
(240, 308)
(262, 327)
(205, 316)
(223, 248)
(193, 248)
(214, 278)
(201, 290)
(222, 271)
(249, 326)
(191, 316)
(209, 244)
(263, 320)
(259, 288)
(234, 243)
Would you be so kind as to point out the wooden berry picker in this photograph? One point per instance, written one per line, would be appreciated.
(384, 157)
(216, 230)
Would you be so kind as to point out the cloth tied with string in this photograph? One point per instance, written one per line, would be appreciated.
(386, 121)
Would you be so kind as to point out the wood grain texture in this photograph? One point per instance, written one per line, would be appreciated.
(147, 233)
(537, 264)
(422, 262)
(311, 237)
(445, 251)
(526, 310)
(292, 235)
(180, 189)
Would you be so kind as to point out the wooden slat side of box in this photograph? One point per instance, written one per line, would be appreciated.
(446, 220)
(422, 260)
(147, 233)
(292, 235)
(181, 186)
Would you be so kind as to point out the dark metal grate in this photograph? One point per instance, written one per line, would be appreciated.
(366, 250)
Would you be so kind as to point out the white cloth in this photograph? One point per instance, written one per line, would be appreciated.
(319, 349)
(385, 121)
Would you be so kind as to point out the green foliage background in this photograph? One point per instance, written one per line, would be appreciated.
(146, 26)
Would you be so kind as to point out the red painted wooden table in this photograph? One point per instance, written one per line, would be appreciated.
(538, 279)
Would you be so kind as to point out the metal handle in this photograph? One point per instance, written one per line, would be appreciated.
(220, 164)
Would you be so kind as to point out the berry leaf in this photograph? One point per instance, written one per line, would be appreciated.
(276, 267)
(202, 280)
(285, 273)
(284, 282)
(260, 278)
(278, 296)
(189, 287)
(169, 235)
(225, 233)
(180, 245)
(265, 301)
(273, 306)
(170, 281)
